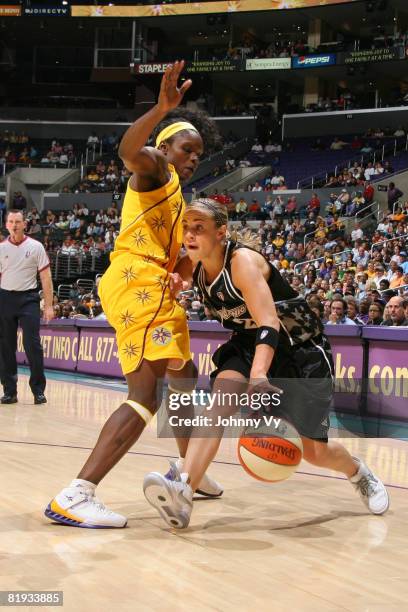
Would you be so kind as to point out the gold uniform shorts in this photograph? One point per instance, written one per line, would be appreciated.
(149, 323)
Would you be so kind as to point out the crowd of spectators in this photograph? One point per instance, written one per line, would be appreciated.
(354, 278)
(19, 148)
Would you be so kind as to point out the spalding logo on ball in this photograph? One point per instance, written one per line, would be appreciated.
(270, 455)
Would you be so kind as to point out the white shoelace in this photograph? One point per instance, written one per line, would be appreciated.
(88, 495)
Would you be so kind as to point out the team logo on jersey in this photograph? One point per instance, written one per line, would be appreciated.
(220, 295)
(264, 334)
(161, 336)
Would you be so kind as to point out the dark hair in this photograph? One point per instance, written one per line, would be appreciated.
(202, 122)
(14, 211)
(342, 300)
(379, 305)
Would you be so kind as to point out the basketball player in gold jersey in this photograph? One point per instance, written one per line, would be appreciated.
(136, 291)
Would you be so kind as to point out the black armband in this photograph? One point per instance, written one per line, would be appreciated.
(267, 335)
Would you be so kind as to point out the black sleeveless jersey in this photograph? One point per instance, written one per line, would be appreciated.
(227, 305)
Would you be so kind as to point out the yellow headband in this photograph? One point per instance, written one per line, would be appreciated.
(172, 129)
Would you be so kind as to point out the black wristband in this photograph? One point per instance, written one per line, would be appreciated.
(267, 335)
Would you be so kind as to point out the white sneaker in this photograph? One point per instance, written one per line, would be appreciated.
(173, 499)
(77, 506)
(207, 487)
(370, 488)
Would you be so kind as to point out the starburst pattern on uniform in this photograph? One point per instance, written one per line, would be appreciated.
(177, 207)
(127, 318)
(150, 256)
(161, 335)
(143, 296)
(139, 238)
(158, 223)
(128, 274)
(161, 282)
(131, 350)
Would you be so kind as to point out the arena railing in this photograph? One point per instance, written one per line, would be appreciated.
(321, 258)
(394, 289)
(359, 219)
(74, 265)
(386, 241)
(9, 167)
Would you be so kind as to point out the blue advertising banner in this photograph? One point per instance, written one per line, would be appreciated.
(313, 61)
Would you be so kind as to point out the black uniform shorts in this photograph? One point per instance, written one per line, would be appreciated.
(304, 372)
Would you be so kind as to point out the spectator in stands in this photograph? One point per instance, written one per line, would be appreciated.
(397, 278)
(277, 179)
(393, 195)
(404, 262)
(379, 275)
(369, 172)
(359, 202)
(281, 187)
(34, 229)
(313, 205)
(338, 309)
(399, 132)
(337, 144)
(352, 310)
(357, 233)
(257, 147)
(254, 209)
(342, 202)
(241, 208)
(291, 207)
(356, 143)
(368, 193)
(19, 201)
(396, 310)
(363, 310)
(244, 163)
(92, 141)
(375, 313)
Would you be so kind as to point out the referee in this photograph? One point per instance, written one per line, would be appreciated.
(21, 258)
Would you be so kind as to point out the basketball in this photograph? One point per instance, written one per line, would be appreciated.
(270, 456)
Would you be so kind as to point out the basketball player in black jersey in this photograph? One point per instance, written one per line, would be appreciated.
(275, 336)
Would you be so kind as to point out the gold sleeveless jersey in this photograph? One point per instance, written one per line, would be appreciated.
(134, 290)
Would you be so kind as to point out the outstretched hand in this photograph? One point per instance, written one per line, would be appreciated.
(171, 95)
(176, 284)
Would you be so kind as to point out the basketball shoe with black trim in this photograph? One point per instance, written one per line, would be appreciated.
(208, 487)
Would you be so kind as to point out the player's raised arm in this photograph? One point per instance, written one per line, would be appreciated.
(148, 161)
(248, 277)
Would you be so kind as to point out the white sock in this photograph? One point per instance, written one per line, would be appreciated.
(362, 470)
(85, 484)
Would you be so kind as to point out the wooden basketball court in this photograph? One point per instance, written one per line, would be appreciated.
(306, 544)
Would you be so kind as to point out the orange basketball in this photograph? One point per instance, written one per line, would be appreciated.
(270, 456)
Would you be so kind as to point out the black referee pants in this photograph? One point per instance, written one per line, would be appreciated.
(20, 307)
